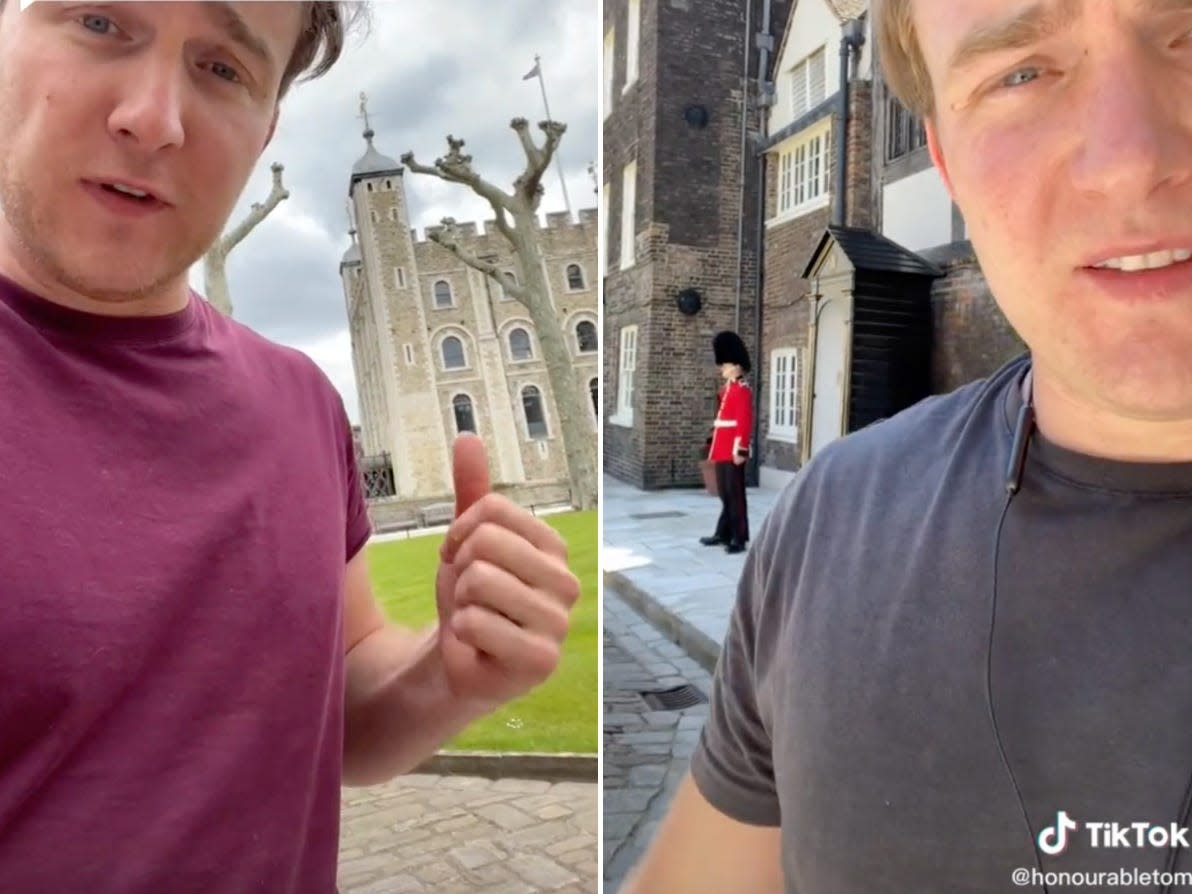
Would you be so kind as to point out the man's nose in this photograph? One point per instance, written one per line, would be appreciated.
(1137, 130)
(149, 108)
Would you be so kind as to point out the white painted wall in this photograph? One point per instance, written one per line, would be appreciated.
(814, 26)
(917, 211)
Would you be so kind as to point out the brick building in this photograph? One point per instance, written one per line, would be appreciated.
(439, 348)
(679, 218)
(891, 193)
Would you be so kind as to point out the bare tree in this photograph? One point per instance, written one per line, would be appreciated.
(215, 275)
(517, 221)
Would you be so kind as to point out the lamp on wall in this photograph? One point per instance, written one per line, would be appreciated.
(696, 116)
(689, 302)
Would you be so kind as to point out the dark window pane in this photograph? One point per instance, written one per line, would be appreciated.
(519, 345)
(585, 334)
(453, 353)
(532, 405)
(464, 419)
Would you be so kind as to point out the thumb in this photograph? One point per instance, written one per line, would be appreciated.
(469, 472)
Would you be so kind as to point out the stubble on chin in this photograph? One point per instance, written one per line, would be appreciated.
(40, 239)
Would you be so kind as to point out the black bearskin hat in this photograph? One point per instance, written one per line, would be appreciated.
(728, 348)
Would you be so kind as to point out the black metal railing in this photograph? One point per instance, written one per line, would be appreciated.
(376, 471)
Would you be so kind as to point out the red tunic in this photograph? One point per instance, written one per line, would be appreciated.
(734, 422)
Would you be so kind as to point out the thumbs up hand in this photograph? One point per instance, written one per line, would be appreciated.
(503, 590)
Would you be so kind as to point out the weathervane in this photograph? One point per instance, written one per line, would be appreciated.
(364, 110)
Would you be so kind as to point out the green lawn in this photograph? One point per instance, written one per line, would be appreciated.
(560, 715)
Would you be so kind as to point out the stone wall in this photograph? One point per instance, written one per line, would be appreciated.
(390, 514)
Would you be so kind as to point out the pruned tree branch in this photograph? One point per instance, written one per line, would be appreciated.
(455, 167)
(503, 225)
(538, 159)
(258, 213)
(448, 237)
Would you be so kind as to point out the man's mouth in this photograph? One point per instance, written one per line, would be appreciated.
(1155, 260)
(133, 192)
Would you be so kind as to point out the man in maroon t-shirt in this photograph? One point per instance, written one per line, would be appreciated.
(191, 658)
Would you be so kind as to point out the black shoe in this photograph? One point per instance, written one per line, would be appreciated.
(711, 541)
(735, 548)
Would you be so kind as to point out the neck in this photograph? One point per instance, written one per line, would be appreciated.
(24, 269)
(1080, 423)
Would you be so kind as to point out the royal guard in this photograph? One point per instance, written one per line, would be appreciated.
(730, 442)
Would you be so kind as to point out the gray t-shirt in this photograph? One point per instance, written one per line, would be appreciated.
(850, 701)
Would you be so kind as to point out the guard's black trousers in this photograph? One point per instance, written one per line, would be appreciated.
(733, 526)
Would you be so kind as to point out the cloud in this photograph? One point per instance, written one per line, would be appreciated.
(453, 67)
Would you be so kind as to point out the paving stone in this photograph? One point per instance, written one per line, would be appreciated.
(541, 872)
(463, 836)
(647, 752)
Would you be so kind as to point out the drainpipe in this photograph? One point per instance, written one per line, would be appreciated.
(744, 166)
(765, 99)
(851, 41)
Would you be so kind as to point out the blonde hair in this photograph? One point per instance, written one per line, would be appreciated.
(903, 65)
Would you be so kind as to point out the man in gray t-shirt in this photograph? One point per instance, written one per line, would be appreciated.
(961, 654)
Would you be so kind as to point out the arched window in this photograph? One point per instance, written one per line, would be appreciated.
(519, 345)
(594, 390)
(453, 353)
(442, 293)
(532, 406)
(575, 277)
(464, 419)
(511, 277)
(585, 334)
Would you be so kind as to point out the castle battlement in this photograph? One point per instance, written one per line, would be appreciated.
(556, 222)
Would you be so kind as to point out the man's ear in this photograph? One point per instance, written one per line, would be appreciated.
(937, 155)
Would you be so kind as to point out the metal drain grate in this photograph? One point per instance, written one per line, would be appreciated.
(676, 699)
(669, 513)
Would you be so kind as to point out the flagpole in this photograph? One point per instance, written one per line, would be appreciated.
(546, 105)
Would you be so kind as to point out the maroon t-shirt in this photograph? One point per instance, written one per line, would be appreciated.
(180, 497)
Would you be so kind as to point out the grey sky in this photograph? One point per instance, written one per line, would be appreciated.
(429, 69)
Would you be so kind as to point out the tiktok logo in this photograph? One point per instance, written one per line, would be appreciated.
(1053, 839)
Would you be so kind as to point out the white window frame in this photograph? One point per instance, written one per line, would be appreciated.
(595, 406)
(784, 395)
(808, 80)
(521, 394)
(632, 41)
(609, 66)
(628, 213)
(804, 168)
(579, 351)
(463, 343)
(471, 409)
(434, 298)
(626, 375)
(529, 339)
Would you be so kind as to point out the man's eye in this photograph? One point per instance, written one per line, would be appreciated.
(226, 72)
(96, 23)
(1020, 77)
